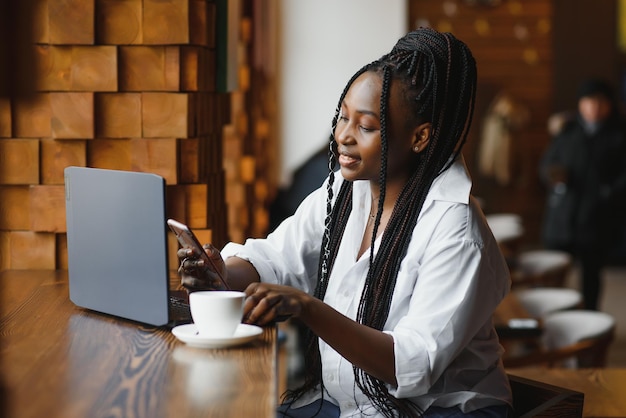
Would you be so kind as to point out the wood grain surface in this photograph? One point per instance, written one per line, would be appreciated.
(58, 360)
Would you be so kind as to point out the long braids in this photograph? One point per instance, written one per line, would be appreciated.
(438, 75)
(334, 225)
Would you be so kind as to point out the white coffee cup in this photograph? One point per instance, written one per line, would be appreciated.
(217, 313)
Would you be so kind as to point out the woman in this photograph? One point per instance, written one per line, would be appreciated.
(390, 264)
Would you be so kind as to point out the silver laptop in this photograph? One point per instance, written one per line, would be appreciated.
(117, 245)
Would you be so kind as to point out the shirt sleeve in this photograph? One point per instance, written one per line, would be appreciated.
(461, 279)
(290, 254)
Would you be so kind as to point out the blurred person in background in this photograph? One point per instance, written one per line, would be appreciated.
(584, 170)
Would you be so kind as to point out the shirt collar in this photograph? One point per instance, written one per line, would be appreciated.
(453, 185)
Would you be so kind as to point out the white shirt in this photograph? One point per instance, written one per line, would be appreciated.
(446, 350)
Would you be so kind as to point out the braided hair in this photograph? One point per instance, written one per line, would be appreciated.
(437, 73)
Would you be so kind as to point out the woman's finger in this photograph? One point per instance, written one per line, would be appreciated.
(258, 312)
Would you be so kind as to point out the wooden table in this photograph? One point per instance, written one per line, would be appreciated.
(604, 389)
(58, 360)
(511, 309)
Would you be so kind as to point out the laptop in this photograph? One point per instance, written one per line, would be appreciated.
(117, 246)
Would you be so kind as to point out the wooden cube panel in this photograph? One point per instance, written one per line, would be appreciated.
(31, 118)
(77, 68)
(146, 54)
(113, 154)
(55, 67)
(196, 205)
(176, 202)
(72, 115)
(165, 115)
(172, 248)
(5, 248)
(189, 169)
(165, 22)
(27, 250)
(19, 161)
(156, 156)
(5, 117)
(118, 115)
(149, 68)
(190, 68)
(58, 154)
(41, 23)
(94, 68)
(205, 236)
(247, 169)
(211, 23)
(119, 22)
(198, 23)
(61, 251)
(47, 208)
(12, 213)
(208, 63)
(192, 115)
(71, 21)
(236, 194)
(188, 204)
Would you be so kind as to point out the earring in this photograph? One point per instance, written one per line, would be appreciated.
(416, 148)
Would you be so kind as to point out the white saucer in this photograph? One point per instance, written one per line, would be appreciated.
(188, 334)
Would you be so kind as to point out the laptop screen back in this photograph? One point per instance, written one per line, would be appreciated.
(117, 243)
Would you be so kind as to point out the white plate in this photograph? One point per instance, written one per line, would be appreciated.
(188, 334)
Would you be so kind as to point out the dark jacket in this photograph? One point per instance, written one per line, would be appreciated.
(587, 211)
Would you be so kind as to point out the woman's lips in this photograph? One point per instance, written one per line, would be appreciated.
(346, 160)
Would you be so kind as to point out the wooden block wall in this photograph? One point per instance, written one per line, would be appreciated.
(120, 84)
(512, 44)
(250, 146)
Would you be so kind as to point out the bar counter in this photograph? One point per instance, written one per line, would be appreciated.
(58, 360)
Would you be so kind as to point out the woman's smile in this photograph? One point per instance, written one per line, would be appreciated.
(347, 160)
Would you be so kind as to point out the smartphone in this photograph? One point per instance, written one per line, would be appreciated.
(188, 239)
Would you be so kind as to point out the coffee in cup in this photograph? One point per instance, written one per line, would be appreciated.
(217, 313)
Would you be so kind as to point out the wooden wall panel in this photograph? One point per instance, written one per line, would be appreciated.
(118, 115)
(191, 68)
(512, 44)
(5, 117)
(111, 154)
(165, 115)
(166, 22)
(94, 68)
(55, 67)
(12, 213)
(119, 22)
(31, 117)
(23, 250)
(149, 68)
(19, 161)
(156, 156)
(113, 92)
(72, 115)
(40, 21)
(71, 21)
(47, 208)
(77, 68)
(200, 22)
(58, 154)
(188, 150)
(196, 210)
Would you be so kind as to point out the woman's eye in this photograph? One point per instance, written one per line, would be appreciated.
(367, 129)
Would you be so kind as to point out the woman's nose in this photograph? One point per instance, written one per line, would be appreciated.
(343, 132)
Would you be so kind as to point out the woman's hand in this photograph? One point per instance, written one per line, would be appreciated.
(267, 303)
(196, 274)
